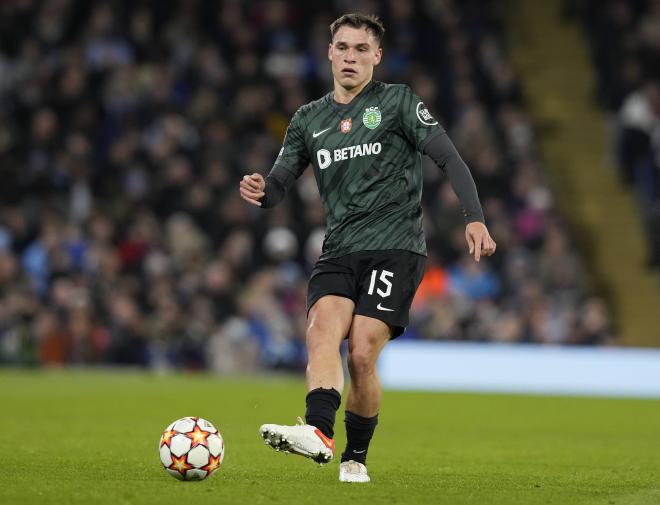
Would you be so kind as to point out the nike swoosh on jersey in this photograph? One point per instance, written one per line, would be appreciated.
(380, 307)
(316, 134)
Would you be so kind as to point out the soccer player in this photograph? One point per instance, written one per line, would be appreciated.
(364, 141)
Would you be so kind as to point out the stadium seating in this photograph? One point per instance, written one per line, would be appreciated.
(624, 37)
(124, 132)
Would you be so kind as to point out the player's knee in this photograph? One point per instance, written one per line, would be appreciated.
(361, 361)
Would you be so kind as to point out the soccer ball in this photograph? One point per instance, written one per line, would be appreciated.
(191, 448)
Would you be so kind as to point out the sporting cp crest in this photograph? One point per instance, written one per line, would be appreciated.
(371, 117)
(345, 125)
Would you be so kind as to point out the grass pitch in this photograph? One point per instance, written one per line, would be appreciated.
(91, 438)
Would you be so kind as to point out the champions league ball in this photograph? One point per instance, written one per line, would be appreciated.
(191, 448)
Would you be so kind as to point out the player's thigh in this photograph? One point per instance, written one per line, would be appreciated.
(366, 340)
(329, 321)
(333, 276)
(388, 281)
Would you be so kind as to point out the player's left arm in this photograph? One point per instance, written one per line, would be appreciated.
(442, 151)
(426, 134)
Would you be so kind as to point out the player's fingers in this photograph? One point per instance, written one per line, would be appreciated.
(486, 249)
(251, 181)
(258, 180)
(251, 193)
(244, 185)
(491, 246)
(247, 185)
(255, 181)
(252, 197)
(252, 201)
(478, 244)
(470, 241)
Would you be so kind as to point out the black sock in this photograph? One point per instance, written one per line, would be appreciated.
(359, 431)
(322, 405)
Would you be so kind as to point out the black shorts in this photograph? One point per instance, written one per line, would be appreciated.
(382, 284)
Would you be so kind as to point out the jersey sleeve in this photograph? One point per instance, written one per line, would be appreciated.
(419, 126)
(294, 154)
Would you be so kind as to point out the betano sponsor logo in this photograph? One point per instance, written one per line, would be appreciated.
(325, 157)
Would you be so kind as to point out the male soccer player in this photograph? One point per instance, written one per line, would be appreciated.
(364, 141)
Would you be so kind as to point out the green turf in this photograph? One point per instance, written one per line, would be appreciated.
(91, 437)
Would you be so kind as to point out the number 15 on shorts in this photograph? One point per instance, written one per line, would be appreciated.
(384, 277)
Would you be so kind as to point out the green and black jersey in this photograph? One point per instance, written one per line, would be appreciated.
(367, 162)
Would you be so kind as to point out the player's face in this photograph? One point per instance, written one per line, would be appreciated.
(354, 53)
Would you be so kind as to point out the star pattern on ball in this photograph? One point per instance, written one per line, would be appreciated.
(181, 464)
(167, 437)
(213, 464)
(198, 437)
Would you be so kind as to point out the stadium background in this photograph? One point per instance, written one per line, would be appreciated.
(126, 126)
(125, 250)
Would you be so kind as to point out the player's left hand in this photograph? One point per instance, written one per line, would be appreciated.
(479, 241)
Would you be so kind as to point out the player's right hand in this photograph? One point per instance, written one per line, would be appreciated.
(252, 188)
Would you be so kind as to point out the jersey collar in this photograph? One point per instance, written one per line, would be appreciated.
(344, 106)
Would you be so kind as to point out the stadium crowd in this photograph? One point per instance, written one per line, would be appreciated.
(125, 127)
(624, 36)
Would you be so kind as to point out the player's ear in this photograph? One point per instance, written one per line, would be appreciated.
(378, 55)
(330, 51)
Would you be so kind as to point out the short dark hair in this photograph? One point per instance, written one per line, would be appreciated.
(371, 22)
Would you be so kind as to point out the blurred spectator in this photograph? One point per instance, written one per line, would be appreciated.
(125, 126)
(625, 47)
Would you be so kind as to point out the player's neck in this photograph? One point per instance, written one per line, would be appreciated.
(343, 95)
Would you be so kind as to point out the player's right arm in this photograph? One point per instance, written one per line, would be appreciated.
(289, 165)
